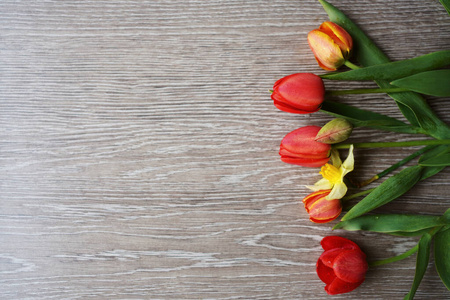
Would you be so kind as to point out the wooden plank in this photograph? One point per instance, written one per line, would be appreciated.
(139, 149)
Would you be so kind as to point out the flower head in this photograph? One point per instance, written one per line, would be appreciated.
(331, 45)
(320, 209)
(333, 176)
(299, 148)
(301, 93)
(335, 131)
(342, 266)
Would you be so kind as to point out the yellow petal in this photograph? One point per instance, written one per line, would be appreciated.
(335, 159)
(326, 51)
(348, 164)
(338, 191)
(322, 184)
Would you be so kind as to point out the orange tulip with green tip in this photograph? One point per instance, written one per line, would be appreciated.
(331, 45)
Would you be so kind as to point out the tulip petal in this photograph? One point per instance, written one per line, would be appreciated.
(325, 273)
(339, 286)
(329, 256)
(324, 211)
(302, 155)
(332, 242)
(350, 265)
(290, 109)
(339, 36)
(301, 141)
(314, 196)
(304, 91)
(326, 51)
(311, 163)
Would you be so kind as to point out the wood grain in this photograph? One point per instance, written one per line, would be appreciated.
(138, 149)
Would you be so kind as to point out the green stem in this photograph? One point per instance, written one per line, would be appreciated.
(413, 250)
(405, 160)
(394, 166)
(356, 195)
(395, 258)
(351, 65)
(366, 91)
(393, 144)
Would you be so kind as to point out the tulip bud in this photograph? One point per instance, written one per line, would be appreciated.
(299, 148)
(320, 209)
(342, 266)
(335, 131)
(301, 93)
(331, 45)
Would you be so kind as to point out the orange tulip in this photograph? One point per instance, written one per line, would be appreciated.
(331, 45)
(320, 209)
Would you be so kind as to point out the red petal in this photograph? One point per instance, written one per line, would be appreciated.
(302, 141)
(325, 274)
(323, 210)
(311, 163)
(339, 286)
(332, 242)
(350, 265)
(314, 196)
(305, 91)
(290, 109)
(329, 256)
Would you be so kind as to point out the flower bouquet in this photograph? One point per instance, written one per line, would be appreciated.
(343, 265)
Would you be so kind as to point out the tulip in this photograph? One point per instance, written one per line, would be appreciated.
(320, 209)
(299, 148)
(342, 267)
(301, 93)
(331, 45)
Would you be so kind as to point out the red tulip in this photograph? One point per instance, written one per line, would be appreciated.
(300, 148)
(321, 210)
(331, 45)
(301, 93)
(342, 266)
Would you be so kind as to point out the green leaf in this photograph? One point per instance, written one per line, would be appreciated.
(364, 118)
(446, 216)
(429, 158)
(446, 4)
(397, 69)
(430, 171)
(412, 105)
(423, 256)
(438, 150)
(442, 159)
(389, 190)
(441, 255)
(407, 234)
(434, 83)
(391, 223)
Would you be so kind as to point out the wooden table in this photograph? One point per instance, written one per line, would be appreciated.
(139, 149)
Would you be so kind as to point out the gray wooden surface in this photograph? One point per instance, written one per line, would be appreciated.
(139, 149)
